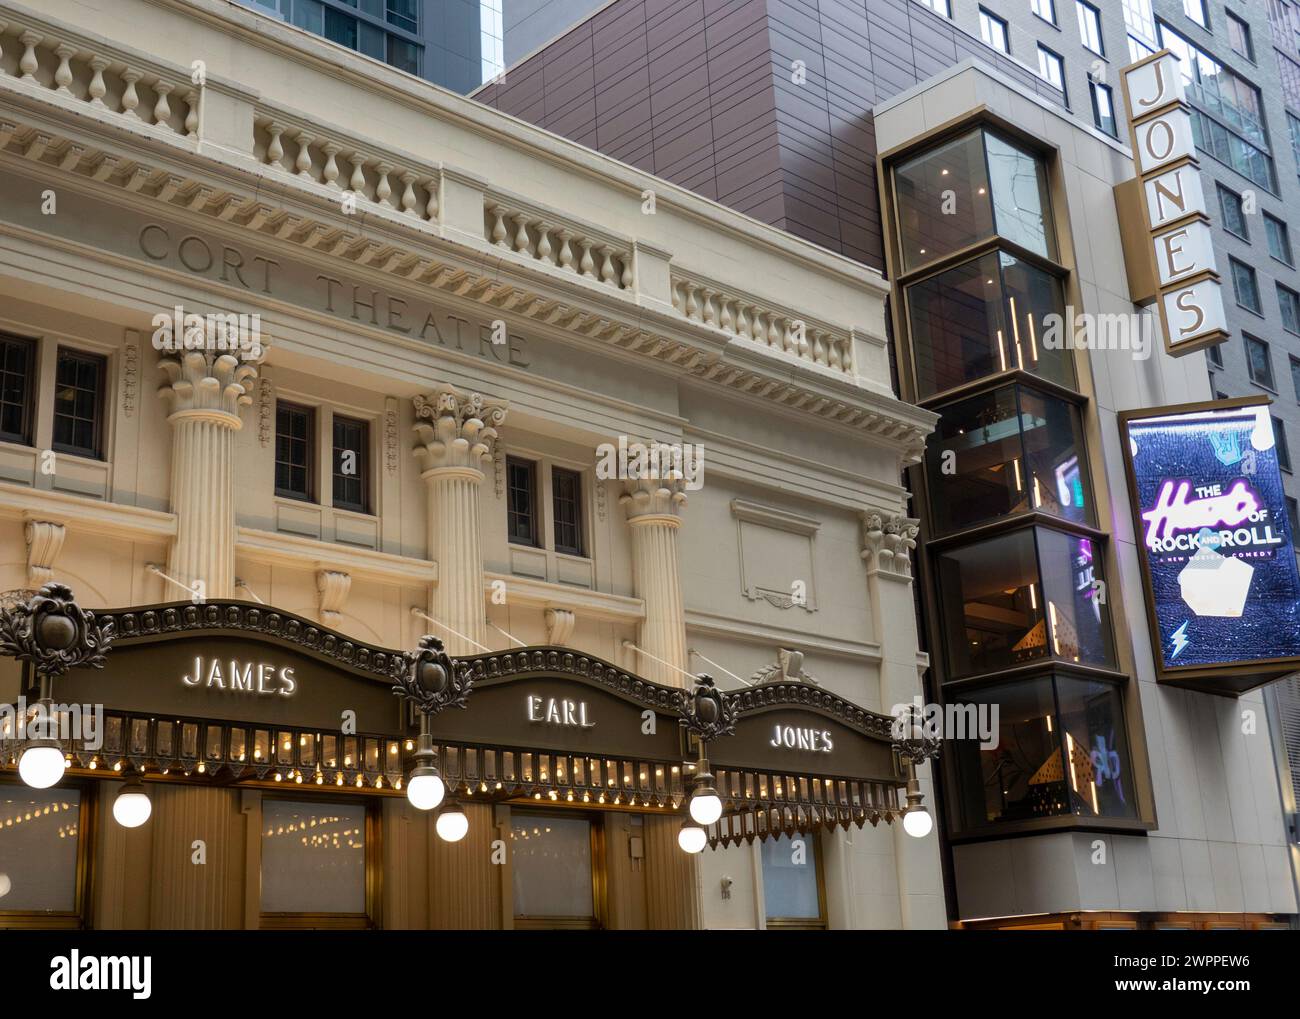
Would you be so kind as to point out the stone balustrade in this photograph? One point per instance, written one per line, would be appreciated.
(140, 90)
(336, 162)
(557, 243)
(777, 329)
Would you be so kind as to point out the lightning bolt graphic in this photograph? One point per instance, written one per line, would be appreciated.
(1179, 639)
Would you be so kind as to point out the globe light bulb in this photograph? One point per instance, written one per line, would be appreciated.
(425, 789)
(452, 824)
(132, 806)
(706, 807)
(918, 823)
(691, 838)
(41, 766)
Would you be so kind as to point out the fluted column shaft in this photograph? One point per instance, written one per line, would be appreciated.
(203, 499)
(457, 435)
(654, 565)
(456, 600)
(653, 509)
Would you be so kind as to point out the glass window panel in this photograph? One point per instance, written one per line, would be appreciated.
(1239, 37)
(1259, 362)
(78, 398)
(975, 462)
(1289, 304)
(1020, 777)
(1045, 9)
(1279, 438)
(943, 202)
(1051, 67)
(1103, 108)
(39, 829)
(551, 864)
(1078, 623)
(1021, 208)
(1245, 286)
(993, 604)
(566, 497)
(1032, 295)
(993, 30)
(1096, 748)
(1089, 26)
(1234, 215)
(351, 464)
(957, 327)
(294, 450)
(313, 857)
(521, 501)
(790, 878)
(16, 371)
(1279, 239)
(1055, 464)
(404, 55)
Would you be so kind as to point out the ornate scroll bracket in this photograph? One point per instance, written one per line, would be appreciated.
(559, 626)
(44, 543)
(332, 587)
(888, 541)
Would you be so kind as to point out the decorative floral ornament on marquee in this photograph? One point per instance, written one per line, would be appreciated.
(432, 680)
(54, 633)
(707, 711)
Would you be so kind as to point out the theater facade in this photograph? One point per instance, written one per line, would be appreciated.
(320, 383)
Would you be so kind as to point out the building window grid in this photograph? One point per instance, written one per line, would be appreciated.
(1293, 518)
(78, 403)
(943, 8)
(522, 524)
(1140, 19)
(1245, 286)
(1090, 27)
(1045, 9)
(1239, 38)
(1215, 354)
(295, 447)
(1051, 67)
(351, 464)
(1283, 449)
(17, 363)
(1103, 108)
(1288, 302)
(1279, 239)
(1259, 361)
(1234, 214)
(566, 500)
(993, 30)
(1196, 11)
(1295, 377)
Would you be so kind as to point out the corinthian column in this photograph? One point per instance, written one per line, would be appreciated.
(653, 509)
(457, 432)
(206, 390)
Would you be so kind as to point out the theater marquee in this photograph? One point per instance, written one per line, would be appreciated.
(1165, 223)
(1215, 541)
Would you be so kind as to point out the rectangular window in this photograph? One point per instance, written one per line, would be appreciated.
(1103, 108)
(1090, 26)
(403, 55)
(943, 7)
(404, 14)
(1234, 216)
(1279, 440)
(1289, 304)
(1259, 361)
(340, 28)
(1051, 67)
(566, 502)
(792, 886)
(1293, 516)
(41, 838)
(351, 464)
(993, 30)
(1195, 9)
(522, 525)
(1279, 239)
(1045, 9)
(1215, 353)
(1139, 19)
(1012, 450)
(554, 862)
(295, 451)
(1295, 378)
(314, 863)
(1239, 37)
(1245, 286)
(79, 403)
(17, 384)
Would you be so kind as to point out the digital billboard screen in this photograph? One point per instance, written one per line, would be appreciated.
(1211, 521)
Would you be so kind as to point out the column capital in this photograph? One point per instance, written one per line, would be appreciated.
(647, 499)
(887, 541)
(456, 428)
(210, 381)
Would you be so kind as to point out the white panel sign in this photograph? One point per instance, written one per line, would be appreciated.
(1184, 252)
(1174, 194)
(1154, 84)
(1163, 140)
(1194, 311)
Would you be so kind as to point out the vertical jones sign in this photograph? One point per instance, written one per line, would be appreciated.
(1176, 260)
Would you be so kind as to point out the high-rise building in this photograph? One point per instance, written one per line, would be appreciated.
(777, 109)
